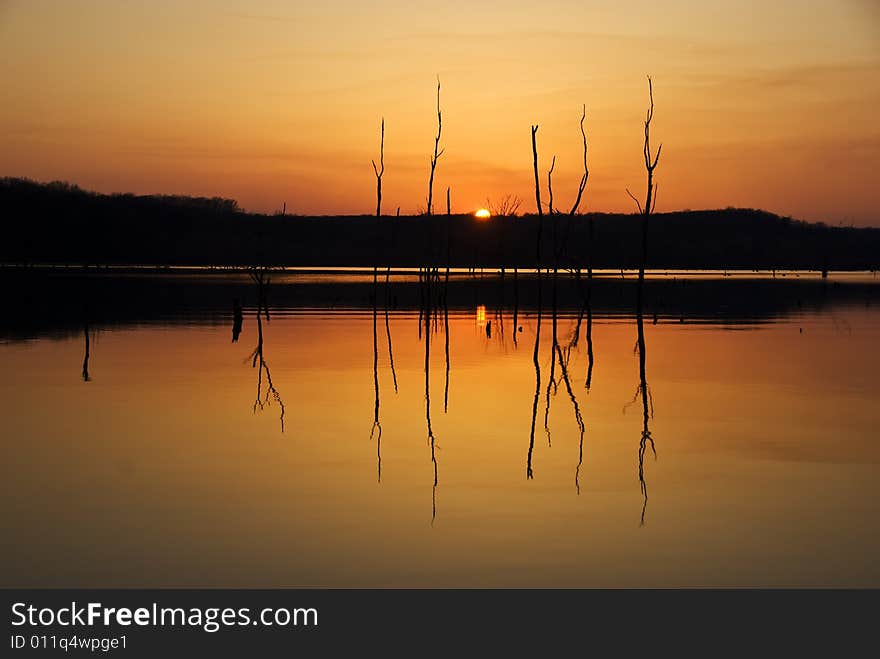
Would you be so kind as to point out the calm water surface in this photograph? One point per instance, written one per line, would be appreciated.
(177, 457)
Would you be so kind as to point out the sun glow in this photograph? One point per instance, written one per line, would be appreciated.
(482, 214)
(481, 316)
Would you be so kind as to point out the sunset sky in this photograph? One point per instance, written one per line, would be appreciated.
(758, 104)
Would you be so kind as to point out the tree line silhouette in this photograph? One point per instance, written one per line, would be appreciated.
(62, 224)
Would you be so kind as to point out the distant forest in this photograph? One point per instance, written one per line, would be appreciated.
(59, 223)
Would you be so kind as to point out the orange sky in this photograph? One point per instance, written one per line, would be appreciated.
(758, 104)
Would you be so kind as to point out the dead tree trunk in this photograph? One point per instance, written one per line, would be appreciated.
(429, 210)
(537, 198)
(437, 153)
(650, 202)
(651, 194)
(380, 170)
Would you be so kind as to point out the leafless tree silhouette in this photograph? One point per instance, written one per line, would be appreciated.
(537, 197)
(550, 186)
(437, 153)
(583, 183)
(376, 429)
(651, 194)
(558, 246)
(536, 349)
(506, 206)
(380, 170)
(586, 291)
(643, 391)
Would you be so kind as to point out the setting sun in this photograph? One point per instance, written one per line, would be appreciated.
(482, 214)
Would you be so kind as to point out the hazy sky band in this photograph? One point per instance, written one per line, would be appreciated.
(271, 102)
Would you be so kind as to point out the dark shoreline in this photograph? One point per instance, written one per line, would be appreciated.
(59, 223)
(57, 302)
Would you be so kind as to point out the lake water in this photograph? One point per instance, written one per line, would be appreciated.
(144, 447)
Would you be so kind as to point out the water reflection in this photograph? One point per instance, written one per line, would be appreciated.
(429, 314)
(87, 350)
(571, 314)
(237, 320)
(537, 364)
(643, 392)
(164, 343)
(263, 399)
(376, 429)
(446, 349)
(388, 301)
(579, 419)
(586, 294)
(481, 316)
(434, 295)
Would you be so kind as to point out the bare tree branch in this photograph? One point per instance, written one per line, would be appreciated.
(583, 183)
(506, 206)
(633, 197)
(437, 153)
(537, 196)
(380, 171)
(535, 161)
(650, 165)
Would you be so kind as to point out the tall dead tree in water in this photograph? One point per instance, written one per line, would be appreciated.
(588, 293)
(643, 390)
(558, 248)
(554, 222)
(430, 270)
(537, 198)
(429, 209)
(651, 194)
(437, 153)
(428, 273)
(379, 171)
(535, 352)
(583, 183)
